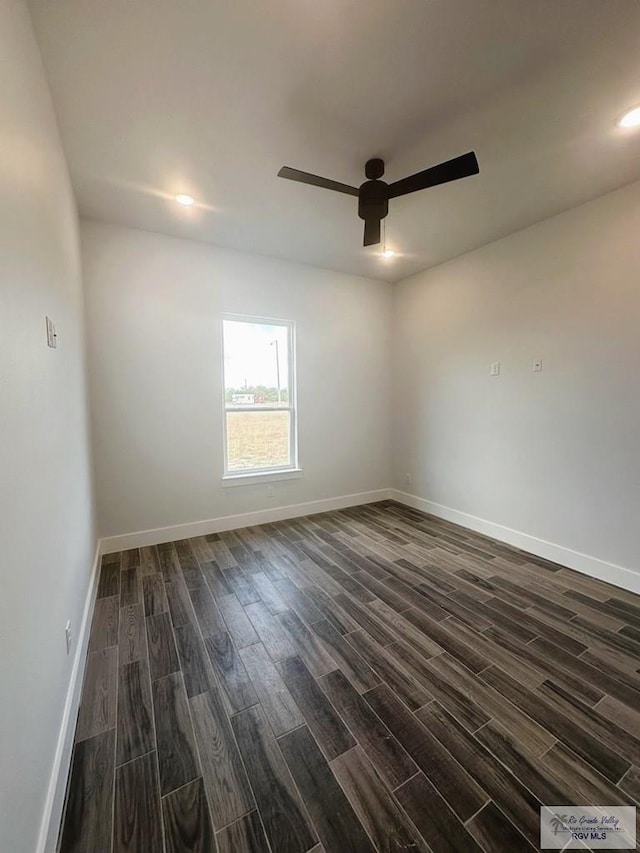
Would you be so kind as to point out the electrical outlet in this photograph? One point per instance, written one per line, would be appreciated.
(537, 365)
(67, 634)
(495, 368)
(408, 479)
(270, 491)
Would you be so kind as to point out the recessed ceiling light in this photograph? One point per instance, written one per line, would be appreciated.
(387, 253)
(630, 119)
(186, 200)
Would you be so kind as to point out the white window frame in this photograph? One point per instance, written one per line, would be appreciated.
(280, 472)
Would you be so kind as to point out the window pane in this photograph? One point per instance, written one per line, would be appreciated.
(256, 364)
(257, 440)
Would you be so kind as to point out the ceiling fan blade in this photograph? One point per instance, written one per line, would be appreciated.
(316, 181)
(452, 170)
(371, 232)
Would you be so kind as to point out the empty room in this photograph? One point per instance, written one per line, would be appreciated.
(319, 426)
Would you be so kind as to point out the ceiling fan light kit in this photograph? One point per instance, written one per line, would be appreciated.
(374, 194)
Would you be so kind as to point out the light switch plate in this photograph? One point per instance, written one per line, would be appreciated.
(52, 337)
(537, 365)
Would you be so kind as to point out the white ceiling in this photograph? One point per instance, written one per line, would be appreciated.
(211, 97)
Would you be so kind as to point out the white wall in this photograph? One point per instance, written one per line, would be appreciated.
(154, 307)
(555, 455)
(46, 522)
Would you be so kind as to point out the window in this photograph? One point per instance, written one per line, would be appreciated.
(259, 396)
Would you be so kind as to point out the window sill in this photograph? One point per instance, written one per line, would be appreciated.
(251, 479)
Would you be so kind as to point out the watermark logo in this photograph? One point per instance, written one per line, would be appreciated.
(592, 827)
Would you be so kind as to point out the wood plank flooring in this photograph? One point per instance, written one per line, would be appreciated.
(372, 679)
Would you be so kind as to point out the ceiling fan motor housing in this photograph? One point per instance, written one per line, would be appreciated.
(373, 201)
(373, 196)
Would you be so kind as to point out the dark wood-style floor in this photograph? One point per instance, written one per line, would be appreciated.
(369, 679)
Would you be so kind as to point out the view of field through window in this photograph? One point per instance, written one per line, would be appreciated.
(258, 408)
(257, 440)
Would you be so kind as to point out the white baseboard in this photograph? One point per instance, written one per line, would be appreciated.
(54, 802)
(592, 566)
(110, 544)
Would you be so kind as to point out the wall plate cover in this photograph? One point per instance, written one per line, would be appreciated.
(52, 337)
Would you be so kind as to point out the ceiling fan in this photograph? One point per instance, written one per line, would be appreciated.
(373, 195)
